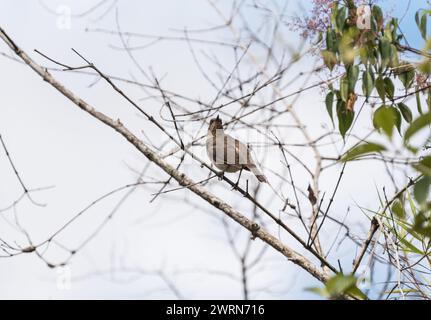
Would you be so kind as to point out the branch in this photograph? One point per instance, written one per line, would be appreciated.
(374, 227)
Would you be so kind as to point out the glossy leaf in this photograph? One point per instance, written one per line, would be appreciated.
(386, 118)
(394, 59)
(380, 86)
(405, 112)
(331, 41)
(345, 118)
(410, 247)
(421, 189)
(329, 58)
(361, 150)
(389, 87)
(424, 166)
(423, 25)
(398, 119)
(344, 89)
(343, 284)
(320, 291)
(378, 16)
(417, 125)
(422, 224)
(418, 102)
(352, 74)
(421, 18)
(406, 75)
(341, 18)
(385, 51)
(367, 83)
(329, 101)
(398, 209)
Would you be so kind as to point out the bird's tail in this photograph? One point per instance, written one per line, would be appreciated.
(259, 175)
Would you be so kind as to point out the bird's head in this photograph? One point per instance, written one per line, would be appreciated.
(215, 124)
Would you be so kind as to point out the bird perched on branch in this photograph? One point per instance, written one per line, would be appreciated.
(229, 154)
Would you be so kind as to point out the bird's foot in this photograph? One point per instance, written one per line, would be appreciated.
(220, 175)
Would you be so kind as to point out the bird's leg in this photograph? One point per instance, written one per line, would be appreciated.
(235, 187)
(220, 175)
(246, 188)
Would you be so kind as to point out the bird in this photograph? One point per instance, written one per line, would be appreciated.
(229, 154)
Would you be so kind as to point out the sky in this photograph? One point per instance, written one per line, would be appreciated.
(56, 145)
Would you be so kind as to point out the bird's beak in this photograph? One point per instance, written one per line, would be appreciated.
(218, 118)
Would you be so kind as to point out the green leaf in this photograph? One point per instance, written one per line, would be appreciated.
(423, 26)
(425, 67)
(352, 74)
(367, 82)
(331, 41)
(421, 22)
(398, 209)
(412, 204)
(329, 101)
(397, 119)
(386, 118)
(378, 16)
(320, 291)
(357, 293)
(418, 102)
(406, 75)
(417, 18)
(394, 60)
(417, 125)
(345, 118)
(334, 11)
(424, 166)
(422, 223)
(380, 86)
(344, 89)
(388, 32)
(363, 55)
(421, 189)
(389, 87)
(406, 112)
(341, 284)
(385, 51)
(341, 18)
(329, 58)
(408, 245)
(347, 49)
(403, 291)
(361, 150)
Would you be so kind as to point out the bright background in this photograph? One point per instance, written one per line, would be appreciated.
(53, 143)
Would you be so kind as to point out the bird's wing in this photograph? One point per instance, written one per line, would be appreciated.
(237, 151)
(227, 150)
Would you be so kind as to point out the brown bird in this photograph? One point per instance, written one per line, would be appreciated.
(229, 154)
